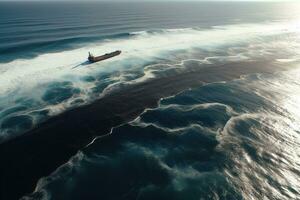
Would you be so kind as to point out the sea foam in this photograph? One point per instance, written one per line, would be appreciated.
(145, 55)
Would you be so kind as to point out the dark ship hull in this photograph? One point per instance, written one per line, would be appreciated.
(93, 59)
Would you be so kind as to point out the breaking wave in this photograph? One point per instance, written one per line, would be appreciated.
(32, 90)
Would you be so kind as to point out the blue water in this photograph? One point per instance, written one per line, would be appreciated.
(29, 29)
(237, 139)
(233, 140)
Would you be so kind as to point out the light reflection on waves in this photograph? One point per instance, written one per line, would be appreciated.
(175, 51)
(269, 164)
(252, 154)
(268, 140)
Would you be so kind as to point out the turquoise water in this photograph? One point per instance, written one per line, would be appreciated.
(231, 139)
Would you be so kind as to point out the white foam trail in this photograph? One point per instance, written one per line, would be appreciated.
(30, 78)
(53, 66)
(189, 108)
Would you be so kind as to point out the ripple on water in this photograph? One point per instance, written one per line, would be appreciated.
(15, 125)
(59, 92)
(89, 79)
(15, 109)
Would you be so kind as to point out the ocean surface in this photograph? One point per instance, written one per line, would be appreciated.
(233, 135)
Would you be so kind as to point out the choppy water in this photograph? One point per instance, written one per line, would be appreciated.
(229, 140)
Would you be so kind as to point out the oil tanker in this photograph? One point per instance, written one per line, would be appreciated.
(94, 59)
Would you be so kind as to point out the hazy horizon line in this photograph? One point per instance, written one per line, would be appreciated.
(140, 1)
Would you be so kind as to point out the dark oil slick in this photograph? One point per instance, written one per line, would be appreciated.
(203, 102)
